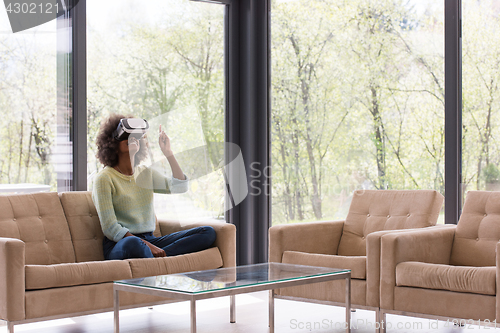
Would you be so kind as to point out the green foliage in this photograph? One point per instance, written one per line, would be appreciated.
(358, 102)
(28, 107)
(481, 98)
(491, 174)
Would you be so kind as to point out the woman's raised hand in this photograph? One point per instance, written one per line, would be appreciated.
(164, 142)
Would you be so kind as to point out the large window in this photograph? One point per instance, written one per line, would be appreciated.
(481, 95)
(35, 148)
(358, 102)
(163, 61)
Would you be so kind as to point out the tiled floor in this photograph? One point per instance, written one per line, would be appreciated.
(251, 317)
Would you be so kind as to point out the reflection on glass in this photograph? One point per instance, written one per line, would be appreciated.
(358, 102)
(481, 95)
(162, 61)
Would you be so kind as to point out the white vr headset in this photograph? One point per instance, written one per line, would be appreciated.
(134, 127)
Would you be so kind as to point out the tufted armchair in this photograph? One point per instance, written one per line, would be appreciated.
(448, 272)
(352, 244)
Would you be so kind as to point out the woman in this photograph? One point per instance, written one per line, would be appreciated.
(123, 196)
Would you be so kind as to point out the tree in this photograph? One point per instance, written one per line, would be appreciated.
(481, 98)
(357, 99)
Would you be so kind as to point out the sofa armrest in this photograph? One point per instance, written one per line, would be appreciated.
(12, 281)
(310, 237)
(225, 241)
(498, 281)
(373, 251)
(430, 245)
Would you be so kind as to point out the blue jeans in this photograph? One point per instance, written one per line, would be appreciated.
(181, 242)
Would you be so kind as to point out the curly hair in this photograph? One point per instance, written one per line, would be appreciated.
(107, 146)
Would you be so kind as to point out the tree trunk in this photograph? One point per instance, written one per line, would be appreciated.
(20, 153)
(284, 169)
(300, 210)
(485, 141)
(315, 196)
(379, 139)
(298, 195)
(10, 155)
(28, 157)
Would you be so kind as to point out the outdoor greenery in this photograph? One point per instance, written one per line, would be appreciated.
(27, 108)
(357, 96)
(358, 102)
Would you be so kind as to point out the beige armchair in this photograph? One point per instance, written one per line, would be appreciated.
(352, 244)
(449, 272)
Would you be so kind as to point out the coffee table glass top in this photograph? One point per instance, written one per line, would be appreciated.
(231, 277)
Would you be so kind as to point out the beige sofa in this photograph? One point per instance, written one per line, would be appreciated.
(451, 272)
(52, 264)
(352, 244)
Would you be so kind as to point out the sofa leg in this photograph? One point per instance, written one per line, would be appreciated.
(377, 321)
(10, 327)
(380, 321)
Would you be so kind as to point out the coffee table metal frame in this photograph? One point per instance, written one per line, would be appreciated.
(232, 292)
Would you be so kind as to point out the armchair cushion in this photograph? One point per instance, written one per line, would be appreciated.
(73, 274)
(373, 210)
(357, 264)
(477, 280)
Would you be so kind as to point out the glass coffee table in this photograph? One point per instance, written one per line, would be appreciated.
(193, 286)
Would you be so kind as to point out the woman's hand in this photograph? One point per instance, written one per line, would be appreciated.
(164, 142)
(157, 252)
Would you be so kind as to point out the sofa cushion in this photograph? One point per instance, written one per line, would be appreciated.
(38, 220)
(85, 226)
(375, 210)
(477, 280)
(357, 264)
(478, 230)
(78, 299)
(64, 275)
(206, 259)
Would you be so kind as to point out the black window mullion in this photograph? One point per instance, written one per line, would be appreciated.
(453, 110)
(79, 85)
(248, 122)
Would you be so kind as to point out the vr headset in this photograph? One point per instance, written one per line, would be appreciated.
(134, 127)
